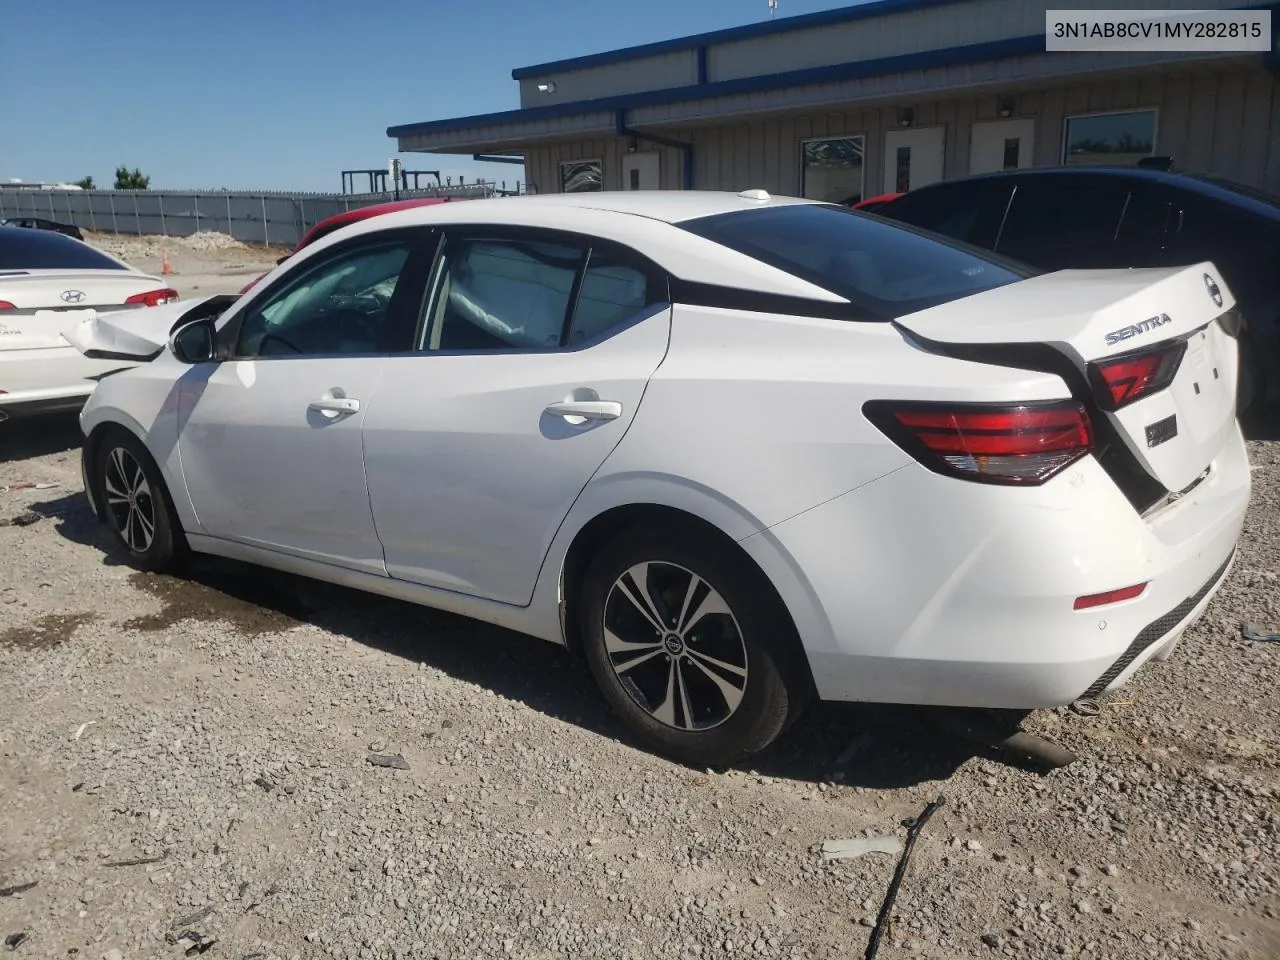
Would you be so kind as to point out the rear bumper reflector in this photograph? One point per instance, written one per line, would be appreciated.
(1111, 596)
(1154, 631)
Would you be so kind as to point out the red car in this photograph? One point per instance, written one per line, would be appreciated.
(347, 217)
(872, 202)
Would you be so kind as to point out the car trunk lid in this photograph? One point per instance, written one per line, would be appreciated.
(61, 291)
(1141, 345)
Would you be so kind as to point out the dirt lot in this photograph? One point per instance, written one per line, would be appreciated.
(191, 756)
(201, 265)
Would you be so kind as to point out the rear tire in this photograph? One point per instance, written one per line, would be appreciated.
(136, 502)
(690, 646)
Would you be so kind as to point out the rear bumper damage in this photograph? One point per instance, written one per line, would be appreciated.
(927, 590)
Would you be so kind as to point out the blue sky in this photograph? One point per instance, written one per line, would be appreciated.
(284, 94)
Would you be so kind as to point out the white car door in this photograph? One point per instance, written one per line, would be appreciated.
(270, 438)
(536, 350)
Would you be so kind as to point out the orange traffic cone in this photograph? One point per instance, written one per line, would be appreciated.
(165, 269)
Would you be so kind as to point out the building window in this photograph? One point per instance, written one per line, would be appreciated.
(580, 176)
(1110, 139)
(831, 170)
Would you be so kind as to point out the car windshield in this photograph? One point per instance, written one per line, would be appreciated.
(888, 269)
(23, 249)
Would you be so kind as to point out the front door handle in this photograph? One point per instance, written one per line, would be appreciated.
(580, 410)
(335, 406)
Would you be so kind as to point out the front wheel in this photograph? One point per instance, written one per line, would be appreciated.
(690, 646)
(136, 502)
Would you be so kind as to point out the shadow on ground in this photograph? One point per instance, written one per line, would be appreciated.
(1263, 425)
(39, 436)
(894, 746)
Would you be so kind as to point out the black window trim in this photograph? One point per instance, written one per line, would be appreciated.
(420, 242)
(656, 278)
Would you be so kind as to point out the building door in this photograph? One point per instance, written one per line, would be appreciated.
(1001, 145)
(912, 158)
(642, 171)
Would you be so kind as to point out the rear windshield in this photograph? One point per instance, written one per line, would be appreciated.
(22, 248)
(888, 269)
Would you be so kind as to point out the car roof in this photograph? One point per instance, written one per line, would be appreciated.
(646, 221)
(666, 206)
(1211, 187)
(356, 214)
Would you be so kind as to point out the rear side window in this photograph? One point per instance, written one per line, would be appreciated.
(886, 268)
(26, 249)
(1054, 213)
(502, 294)
(614, 289)
(971, 212)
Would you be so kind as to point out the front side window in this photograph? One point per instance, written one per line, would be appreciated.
(501, 294)
(1110, 139)
(581, 176)
(831, 169)
(339, 306)
(887, 269)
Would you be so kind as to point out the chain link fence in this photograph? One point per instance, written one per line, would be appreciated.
(271, 219)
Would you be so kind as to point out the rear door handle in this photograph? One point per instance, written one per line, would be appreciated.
(335, 406)
(586, 409)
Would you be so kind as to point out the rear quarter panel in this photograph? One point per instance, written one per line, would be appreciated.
(753, 419)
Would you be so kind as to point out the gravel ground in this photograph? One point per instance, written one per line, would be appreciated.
(191, 756)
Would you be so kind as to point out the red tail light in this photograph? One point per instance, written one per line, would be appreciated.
(6, 305)
(1015, 444)
(1120, 381)
(154, 298)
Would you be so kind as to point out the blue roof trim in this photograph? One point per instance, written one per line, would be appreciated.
(925, 60)
(823, 18)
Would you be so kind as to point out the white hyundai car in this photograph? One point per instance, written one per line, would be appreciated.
(739, 451)
(48, 282)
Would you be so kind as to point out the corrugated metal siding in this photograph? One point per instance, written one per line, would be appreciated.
(633, 76)
(1225, 122)
(542, 163)
(1020, 71)
(952, 25)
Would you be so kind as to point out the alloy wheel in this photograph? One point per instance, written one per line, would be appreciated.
(129, 500)
(675, 646)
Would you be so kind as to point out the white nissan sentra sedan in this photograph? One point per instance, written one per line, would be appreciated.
(740, 451)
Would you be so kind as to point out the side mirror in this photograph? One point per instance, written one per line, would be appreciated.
(196, 342)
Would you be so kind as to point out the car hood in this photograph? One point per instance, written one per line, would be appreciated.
(128, 334)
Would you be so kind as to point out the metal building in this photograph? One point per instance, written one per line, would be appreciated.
(863, 100)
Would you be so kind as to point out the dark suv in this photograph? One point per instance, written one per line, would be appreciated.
(1057, 218)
